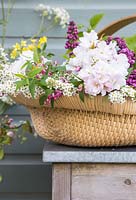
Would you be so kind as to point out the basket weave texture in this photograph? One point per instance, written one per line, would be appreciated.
(96, 122)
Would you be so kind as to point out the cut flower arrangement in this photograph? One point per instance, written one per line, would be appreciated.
(92, 94)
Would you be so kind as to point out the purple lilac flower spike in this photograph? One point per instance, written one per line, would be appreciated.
(72, 36)
(123, 49)
(131, 81)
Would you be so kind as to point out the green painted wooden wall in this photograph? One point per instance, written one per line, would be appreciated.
(28, 181)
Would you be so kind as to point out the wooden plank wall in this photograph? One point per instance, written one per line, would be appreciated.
(34, 182)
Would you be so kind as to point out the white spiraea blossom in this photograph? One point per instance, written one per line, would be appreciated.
(67, 88)
(4, 64)
(120, 96)
(59, 14)
(101, 67)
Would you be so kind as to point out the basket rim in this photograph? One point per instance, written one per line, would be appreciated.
(96, 104)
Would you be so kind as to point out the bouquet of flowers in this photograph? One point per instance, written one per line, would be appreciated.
(92, 90)
(34, 75)
(106, 66)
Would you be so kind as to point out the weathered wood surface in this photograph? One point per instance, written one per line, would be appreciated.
(61, 182)
(60, 153)
(103, 181)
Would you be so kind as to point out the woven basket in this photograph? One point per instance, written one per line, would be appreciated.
(96, 122)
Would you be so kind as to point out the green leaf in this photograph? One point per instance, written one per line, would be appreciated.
(34, 72)
(61, 68)
(44, 46)
(81, 95)
(1, 153)
(42, 99)
(95, 20)
(65, 57)
(49, 55)
(76, 82)
(80, 26)
(29, 66)
(3, 107)
(20, 76)
(24, 65)
(1, 178)
(45, 96)
(130, 70)
(32, 87)
(21, 83)
(80, 34)
(52, 103)
(27, 127)
(131, 42)
(36, 56)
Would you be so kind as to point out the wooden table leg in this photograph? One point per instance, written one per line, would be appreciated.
(61, 182)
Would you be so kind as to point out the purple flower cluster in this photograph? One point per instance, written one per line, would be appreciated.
(123, 49)
(72, 36)
(54, 96)
(132, 79)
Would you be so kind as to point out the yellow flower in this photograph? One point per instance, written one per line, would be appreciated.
(14, 54)
(25, 49)
(33, 40)
(39, 45)
(31, 47)
(17, 46)
(42, 40)
(23, 43)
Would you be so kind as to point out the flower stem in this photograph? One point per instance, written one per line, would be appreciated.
(5, 18)
(3, 24)
(42, 28)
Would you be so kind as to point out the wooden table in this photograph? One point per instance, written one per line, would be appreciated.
(92, 173)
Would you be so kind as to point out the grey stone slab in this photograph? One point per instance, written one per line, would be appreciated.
(54, 153)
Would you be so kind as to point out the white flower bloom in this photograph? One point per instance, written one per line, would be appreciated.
(89, 40)
(6, 99)
(100, 66)
(121, 95)
(116, 97)
(17, 64)
(59, 15)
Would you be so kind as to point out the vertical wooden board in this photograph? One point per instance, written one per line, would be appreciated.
(103, 181)
(61, 182)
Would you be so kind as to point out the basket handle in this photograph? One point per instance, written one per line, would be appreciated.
(117, 25)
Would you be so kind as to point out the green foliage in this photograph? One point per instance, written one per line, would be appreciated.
(21, 83)
(45, 96)
(1, 178)
(32, 87)
(5, 17)
(131, 42)
(34, 72)
(3, 107)
(1, 154)
(94, 21)
(36, 55)
(81, 95)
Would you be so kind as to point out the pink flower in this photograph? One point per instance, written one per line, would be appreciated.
(10, 134)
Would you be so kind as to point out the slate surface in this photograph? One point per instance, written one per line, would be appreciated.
(54, 153)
